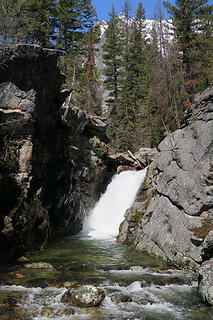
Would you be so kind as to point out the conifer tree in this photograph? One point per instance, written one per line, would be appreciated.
(205, 39)
(87, 14)
(74, 18)
(132, 107)
(68, 22)
(11, 21)
(186, 20)
(112, 58)
(139, 75)
(39, 21)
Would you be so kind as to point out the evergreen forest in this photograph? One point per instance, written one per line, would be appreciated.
(149, 71)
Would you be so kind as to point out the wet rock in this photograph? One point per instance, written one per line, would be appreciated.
(47, 312)
(39, 265)
(23, 259)
(36, 283)
(66, 312)
(12, 301)
(121, 298)
(9, 309)
(129, 161)
(69, 284)
(84, 296)
(137, 269)
(206, 281)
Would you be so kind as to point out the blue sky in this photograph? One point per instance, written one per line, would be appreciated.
(103, 7)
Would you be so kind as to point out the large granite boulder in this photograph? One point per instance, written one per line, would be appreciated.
(51, 172)
(173, 212)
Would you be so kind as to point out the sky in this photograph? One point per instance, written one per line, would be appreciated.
(103, 7)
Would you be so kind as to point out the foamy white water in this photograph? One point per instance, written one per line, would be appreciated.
(108, 213)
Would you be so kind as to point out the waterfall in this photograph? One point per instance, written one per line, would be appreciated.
(104, 220)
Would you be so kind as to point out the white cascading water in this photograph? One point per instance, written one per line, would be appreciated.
(104, 220)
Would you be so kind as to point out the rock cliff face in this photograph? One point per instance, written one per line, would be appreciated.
(172, 216)
(52, 170)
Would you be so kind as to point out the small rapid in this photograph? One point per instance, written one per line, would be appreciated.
(137, 287)
(104, 220)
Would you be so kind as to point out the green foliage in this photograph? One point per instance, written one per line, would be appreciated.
(112, 58)
(39, 21)
(188, 23)
(10, 21)
(129, 91)
(49, 23)
(73, 19)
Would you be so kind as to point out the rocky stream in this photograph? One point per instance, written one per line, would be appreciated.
(90, 276)
(135, 286)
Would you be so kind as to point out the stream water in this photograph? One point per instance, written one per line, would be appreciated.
(136, 286)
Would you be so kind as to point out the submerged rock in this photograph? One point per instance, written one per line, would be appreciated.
(39, 265)
(119, 297)
(84, 296)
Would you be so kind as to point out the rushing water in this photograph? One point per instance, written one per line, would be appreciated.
(104, 221)
(136, 286)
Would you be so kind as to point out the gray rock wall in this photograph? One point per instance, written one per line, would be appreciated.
(173, 212)
(51, 172)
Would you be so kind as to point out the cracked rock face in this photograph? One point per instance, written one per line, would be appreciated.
(51, 174)
(173, 212)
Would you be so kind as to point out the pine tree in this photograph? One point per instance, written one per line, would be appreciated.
(132, 106)
(112, 58)
(186, 20)
(139, 76)
(11, 21)
(74, 19)
(205, 41)
(87, 14)
(68, 22)
(39, 21)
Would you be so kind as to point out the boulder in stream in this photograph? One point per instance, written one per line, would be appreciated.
(84, 296)
(206, 281)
